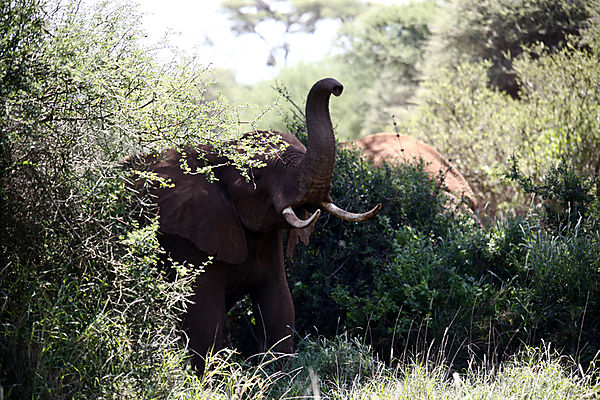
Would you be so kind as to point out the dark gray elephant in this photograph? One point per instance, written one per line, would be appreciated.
(240, 223)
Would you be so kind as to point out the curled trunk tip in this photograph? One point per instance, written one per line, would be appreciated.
(319, 159)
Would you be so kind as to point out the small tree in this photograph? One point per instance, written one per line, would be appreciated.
(384, 49)
(496, 31)
(295, 16)
(84, 312)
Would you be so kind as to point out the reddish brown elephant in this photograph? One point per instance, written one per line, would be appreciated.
(240, 223)
(396, 147)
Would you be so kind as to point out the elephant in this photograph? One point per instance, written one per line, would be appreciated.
(402, 148)
(239, 224)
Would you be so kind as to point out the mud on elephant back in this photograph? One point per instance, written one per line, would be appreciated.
(396, 148)
(240, 224)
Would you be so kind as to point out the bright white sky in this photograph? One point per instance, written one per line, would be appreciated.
(195, 22)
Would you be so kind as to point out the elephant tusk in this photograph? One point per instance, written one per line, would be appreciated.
(292, 219)
(348, 216)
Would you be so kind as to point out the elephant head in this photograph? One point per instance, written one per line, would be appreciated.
(240, 222)
(401, 148)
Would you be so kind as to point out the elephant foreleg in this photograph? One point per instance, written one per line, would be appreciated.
(274, 311)
(204, 321)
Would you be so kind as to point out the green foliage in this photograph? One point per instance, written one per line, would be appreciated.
(385, 39)
(567, 194)
(84, 311)
(384, 274)
(496, 31)
(422, 276)
(327, 365)
(561, 92)
(384, 49)
(480, 128)
(21, 23)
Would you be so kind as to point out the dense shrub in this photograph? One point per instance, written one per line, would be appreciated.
(480, 128)
(423, 277)
(389, 275)
(497, 31)
(567, 195)
(84, 313)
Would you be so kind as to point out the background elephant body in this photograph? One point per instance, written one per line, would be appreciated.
(401, 148)
(240, 223)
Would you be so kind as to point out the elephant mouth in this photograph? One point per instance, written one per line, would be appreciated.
(296, 222)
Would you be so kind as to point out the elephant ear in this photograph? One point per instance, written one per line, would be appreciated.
(201, 212)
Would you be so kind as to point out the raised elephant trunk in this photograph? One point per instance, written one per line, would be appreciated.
(316, 168)
(319, 160)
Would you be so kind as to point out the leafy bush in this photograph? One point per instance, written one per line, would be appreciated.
(382, 275)
(84, 312)
(422, 277)
(383, 49)
(480, 128)
(567, 194)
(496, 31)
